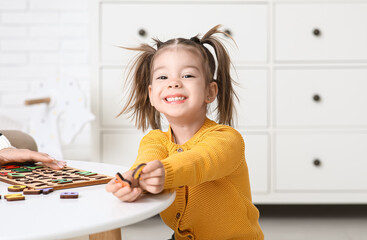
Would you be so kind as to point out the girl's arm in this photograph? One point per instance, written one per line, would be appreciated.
(217, 154)
(151, 151)
(151, 148)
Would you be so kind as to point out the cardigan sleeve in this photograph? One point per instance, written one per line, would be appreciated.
(216, 154)
(151, 148)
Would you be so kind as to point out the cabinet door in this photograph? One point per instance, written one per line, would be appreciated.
(321, 97)
(113, 92)
(315, 162)
(252, 103)
(257, 159)
(252, 91)
(128, 24)
(320, 31)
(120, 147)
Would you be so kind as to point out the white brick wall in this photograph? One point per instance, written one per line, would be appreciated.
(42, 40)
(13, 5)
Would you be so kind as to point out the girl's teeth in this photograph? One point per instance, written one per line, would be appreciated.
(172, 99)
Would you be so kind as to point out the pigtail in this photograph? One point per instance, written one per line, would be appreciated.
(138, 104)
(226, 94)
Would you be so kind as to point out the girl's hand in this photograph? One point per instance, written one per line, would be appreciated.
(125, 194)
(152, 177)
(9, 155)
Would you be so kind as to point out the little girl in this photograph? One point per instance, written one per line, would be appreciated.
(202, 160)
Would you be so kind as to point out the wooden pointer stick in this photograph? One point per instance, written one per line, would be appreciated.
(46, 100)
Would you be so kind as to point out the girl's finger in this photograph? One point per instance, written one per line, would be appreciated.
(135, 194)
(143, 184)
(122, 192)
(128, 195)
(154, 189)
(155, 181)
(112, 186)
(159, 172)
(151, 166)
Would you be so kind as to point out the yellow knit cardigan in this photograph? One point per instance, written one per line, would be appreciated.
(210, 176)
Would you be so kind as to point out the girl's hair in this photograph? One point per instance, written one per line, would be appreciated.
(138, 103)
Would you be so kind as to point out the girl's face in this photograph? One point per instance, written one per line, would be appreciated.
(178, 88)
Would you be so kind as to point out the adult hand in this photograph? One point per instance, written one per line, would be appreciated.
(152, 177)
(125, 194)
(9, 155)
(2, 159)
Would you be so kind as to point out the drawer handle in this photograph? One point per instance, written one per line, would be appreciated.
(316, 32)
(229, 32)
(316, 98)
(142, 33)
(317, 162)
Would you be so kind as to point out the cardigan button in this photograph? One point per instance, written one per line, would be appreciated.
(178, 215)
(180, 150)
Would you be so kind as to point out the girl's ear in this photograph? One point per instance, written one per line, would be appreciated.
(212, 94)
(150, 94)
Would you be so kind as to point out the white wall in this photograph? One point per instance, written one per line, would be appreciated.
(41, 40)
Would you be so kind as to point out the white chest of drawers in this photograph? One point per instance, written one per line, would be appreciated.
(302, 69)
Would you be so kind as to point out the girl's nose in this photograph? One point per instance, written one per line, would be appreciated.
(174, 84)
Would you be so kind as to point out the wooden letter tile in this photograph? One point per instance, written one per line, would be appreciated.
(14, 197)
(69, 195)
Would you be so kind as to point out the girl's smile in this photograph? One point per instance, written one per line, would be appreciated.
(175, 99)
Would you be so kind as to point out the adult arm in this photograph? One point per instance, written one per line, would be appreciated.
(9, 154)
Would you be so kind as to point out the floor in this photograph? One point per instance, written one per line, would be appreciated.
(324, 222)
(280, 222)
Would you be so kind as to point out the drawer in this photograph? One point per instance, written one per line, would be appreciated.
(315, 162)
(320, 32)
(122, 25)
(321, 97)
(113, 94)
(120, 147)
(252, 108)
(257, 159)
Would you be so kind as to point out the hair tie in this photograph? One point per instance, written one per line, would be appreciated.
(159, 43)
(195, 39)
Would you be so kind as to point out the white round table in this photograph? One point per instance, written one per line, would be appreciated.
(49, 217)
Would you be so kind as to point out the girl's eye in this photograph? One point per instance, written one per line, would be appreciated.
(162, 77)
(187, 76)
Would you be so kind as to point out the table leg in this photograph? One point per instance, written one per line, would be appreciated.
(114, 234)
